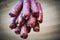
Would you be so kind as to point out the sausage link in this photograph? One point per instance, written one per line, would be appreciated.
(24, 32)
(34, 8)
(40, 18)
(26, 9)
(16, 9)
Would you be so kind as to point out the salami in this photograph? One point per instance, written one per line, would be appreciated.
(16, 9)
(40, 18)
(26, 9)
(24, 32)
(34, 8)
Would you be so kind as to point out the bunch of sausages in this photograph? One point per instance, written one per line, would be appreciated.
(26, 14)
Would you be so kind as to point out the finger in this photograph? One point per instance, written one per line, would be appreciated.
(34, 8)
(24, 32)
(26, 9)
(16, 9)
(40, 18)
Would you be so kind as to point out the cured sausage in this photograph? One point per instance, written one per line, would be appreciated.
(16, 9)
(24, 32)
(26, 9)
(31, 22)
(12, 24)
(34, 8)
(17, 30)
(40, 18)
(36, 28)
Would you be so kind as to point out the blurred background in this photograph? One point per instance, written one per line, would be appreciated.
(49, 29)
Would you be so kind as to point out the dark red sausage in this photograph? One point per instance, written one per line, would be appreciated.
(17, 30)
(31, 22)
(24, 32)
(34, 8)
(26, 9)
(40, 18)
(19, 19)
(36, 28)
(12, 23)
(16, 9)
(29, 29)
